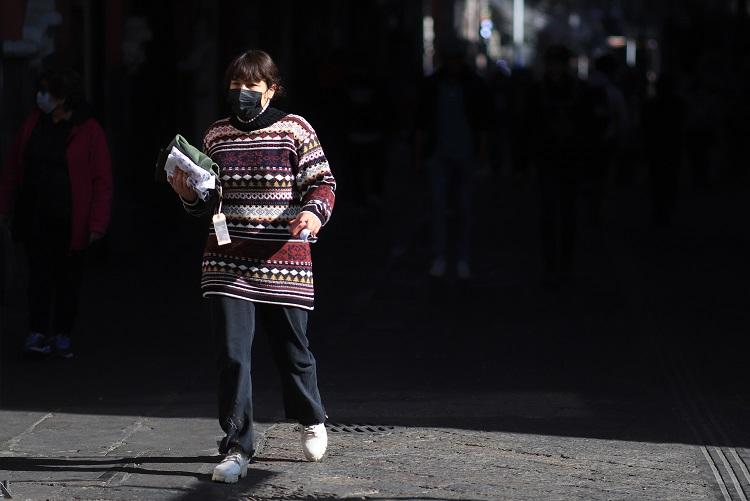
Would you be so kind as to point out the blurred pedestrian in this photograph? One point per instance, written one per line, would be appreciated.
(453, 123)
(57, 185)
(609, 131)
(664, 122)
(275, 182)
(560, 116)
(500, 87)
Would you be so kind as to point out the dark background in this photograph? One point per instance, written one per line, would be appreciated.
(639, 293)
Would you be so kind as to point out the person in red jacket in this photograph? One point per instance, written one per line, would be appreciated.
(57, 186)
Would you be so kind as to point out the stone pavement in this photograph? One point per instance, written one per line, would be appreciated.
(60, 455)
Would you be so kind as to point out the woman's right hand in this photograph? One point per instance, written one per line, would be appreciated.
(181, 186)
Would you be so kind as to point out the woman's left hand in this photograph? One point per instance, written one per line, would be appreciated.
(304, 220)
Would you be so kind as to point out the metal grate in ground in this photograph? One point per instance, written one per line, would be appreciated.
(359, 428)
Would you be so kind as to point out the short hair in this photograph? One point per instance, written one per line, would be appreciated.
(251, 67)
(65, 84)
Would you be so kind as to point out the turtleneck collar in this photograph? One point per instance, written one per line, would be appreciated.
(266, 118)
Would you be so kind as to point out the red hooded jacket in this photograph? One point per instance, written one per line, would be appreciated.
(90, 172)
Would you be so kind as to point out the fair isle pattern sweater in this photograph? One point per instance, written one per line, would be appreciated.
(268, 176)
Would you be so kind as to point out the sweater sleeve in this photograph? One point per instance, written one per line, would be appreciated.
(201, 208)
(314, 179)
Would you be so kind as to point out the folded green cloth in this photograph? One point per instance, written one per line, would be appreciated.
(197, 156)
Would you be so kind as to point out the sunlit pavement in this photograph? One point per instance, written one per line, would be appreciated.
(84, 456)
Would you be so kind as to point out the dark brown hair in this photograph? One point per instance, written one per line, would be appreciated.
(251, 67)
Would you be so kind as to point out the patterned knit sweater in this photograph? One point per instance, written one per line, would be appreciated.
(270, 171)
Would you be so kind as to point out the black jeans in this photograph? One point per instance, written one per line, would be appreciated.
(234, 322)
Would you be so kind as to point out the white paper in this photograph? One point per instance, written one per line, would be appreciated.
(221, 230)
(201, 180)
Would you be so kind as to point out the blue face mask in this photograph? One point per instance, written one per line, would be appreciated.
(246, 104)
(45, 102)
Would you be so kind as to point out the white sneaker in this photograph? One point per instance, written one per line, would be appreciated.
(314, 441)
(232, 467)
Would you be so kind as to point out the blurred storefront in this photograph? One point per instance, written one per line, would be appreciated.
(154, 68)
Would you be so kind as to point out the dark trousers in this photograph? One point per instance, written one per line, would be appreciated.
(234, 322)
(53, 288)
(451, 176)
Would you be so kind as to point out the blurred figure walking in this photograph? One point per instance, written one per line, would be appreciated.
(561, 123)
(453, 123)
(664, 122)
(609, 131)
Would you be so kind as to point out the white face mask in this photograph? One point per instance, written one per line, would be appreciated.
(45, 102)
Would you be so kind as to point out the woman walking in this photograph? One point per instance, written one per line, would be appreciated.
(57, 184)
(275, 182)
